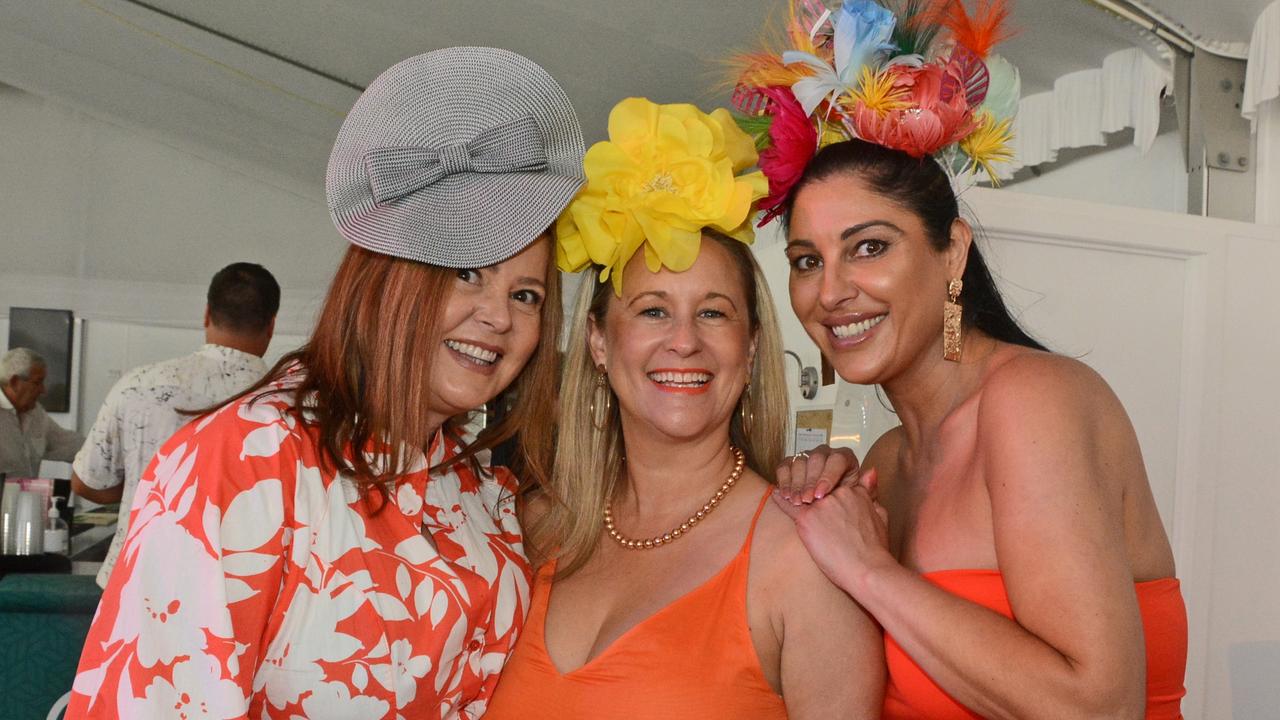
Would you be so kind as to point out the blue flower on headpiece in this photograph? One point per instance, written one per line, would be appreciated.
(862, 31)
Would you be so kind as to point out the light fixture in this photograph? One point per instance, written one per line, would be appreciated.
(808, 378)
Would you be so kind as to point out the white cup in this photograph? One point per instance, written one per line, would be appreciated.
(29, 524)
(8, 517)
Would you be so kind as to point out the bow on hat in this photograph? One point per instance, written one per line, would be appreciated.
(513, 146)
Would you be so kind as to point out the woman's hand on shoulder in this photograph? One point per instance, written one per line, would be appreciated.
(831, 659)
(813, 474)
(846, 534)
(808, 476)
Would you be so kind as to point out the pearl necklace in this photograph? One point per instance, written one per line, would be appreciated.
(669, 537)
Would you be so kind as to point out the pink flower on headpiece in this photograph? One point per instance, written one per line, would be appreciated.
(792, 142)
(927, 125)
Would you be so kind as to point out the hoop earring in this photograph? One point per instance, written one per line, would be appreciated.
(601, 400)
(746, 415)
(951, 330)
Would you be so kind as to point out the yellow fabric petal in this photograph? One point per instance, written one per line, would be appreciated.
(632, 118)
(744, 233)
(681, 249)
(738, 145)
(571, 254)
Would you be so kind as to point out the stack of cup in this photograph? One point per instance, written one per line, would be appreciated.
(8, 504)
(29, 523)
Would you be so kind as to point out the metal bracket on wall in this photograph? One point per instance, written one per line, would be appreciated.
(1218, 142)
(808, 378)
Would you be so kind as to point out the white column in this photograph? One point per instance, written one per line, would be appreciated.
(1267, 157)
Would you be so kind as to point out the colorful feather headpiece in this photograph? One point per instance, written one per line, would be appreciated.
(923, 81)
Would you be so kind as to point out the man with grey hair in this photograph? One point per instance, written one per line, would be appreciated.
(27, 433)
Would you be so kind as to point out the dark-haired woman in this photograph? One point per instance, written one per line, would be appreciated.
(1015, 557)
(331, 544)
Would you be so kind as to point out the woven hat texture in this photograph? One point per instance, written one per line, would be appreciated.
(459, 157)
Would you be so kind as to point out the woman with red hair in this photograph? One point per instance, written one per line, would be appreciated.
(332, 543)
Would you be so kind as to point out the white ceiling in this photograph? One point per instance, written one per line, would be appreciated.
(1222, 25)
(132, 62)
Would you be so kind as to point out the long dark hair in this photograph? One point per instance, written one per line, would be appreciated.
(921, 186)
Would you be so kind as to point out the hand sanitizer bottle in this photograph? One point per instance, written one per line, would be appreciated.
(55, 531)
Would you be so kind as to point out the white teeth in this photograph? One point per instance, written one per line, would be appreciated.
(852, 329)
(680, 379)
(487, 357)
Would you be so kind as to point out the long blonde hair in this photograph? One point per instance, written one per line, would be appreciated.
(588, 462)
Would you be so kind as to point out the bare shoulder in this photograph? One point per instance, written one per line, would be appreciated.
(795, 590)
(830, 654)
(1037, 386)
(782, 560)
(1049, 425)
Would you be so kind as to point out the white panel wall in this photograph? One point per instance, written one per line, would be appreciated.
(126, 230)
(1180, 315)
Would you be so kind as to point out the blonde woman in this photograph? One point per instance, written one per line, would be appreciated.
(669, 586)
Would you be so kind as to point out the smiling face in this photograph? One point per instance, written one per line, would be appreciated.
(490, 327)
(866, 282)
(677, 347)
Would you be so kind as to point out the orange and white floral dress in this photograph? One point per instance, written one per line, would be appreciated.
(255, 584)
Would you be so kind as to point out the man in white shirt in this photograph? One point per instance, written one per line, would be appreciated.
(143, 409)
(27, 433)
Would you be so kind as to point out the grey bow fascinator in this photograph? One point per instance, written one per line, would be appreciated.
(460, 157)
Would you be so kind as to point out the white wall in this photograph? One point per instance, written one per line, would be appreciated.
(110, 223)
(126, 231)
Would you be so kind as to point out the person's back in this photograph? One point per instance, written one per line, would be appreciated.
(144, 409)
(150, 403)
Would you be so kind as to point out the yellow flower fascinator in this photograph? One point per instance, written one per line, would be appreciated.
(665, 173)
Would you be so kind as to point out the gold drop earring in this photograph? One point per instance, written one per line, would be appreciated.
(601, 400)
(951, 329)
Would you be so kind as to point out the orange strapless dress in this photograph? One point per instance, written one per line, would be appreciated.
(910, 693)
(693, 659)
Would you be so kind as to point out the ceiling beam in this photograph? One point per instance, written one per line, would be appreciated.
(246, 44)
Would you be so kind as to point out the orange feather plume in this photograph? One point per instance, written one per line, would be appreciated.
(802, 16)
(765, 69)
(980, 30)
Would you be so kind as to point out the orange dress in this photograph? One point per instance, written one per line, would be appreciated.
(692, 659)
(912, 694)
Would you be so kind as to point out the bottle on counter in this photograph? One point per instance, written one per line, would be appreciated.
(55, 531)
